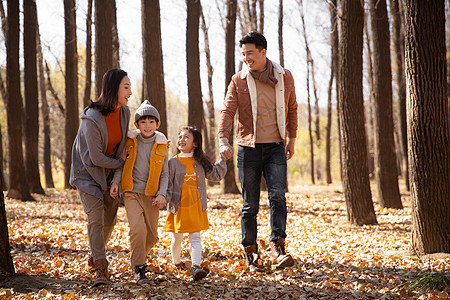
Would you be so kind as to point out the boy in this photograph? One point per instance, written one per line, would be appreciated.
(144, 181)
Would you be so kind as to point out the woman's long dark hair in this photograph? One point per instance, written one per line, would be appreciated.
(199, 155)
(107, 102)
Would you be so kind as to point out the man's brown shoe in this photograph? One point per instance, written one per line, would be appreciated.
(253, 265)
(101, 272)
(91, 265)
(280, 259)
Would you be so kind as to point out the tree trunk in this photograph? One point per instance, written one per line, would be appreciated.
(334, 45)
(385, 158)
(3, 18)
(428, 136)
(355, 178)
(103, 42)
(18, 188)
(71, 89)
(398, 39)
(317, 119)
(250, 18)
(195, 117)
(308, 60)
(52, 90)
(2, 160)
(88, 66)
(261, 16)
(115, 38)
(31, 98)
(45, 112)
(211, 141)
(6, 262)
(280, 32)
(230, 186)
(370, 114)
(254, 16)
(153, 77)
(5, 102)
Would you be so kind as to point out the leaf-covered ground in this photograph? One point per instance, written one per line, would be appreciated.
(334, 260)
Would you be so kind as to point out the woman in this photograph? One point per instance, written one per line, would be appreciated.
(99, 149)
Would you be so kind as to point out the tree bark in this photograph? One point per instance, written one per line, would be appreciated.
(31, 98)
(230, 186)
(71, 90)
(52, 90)
(370, 114)
(398, 39)
(385, 158)
(2, 160)
(115, 38)
(334, 53)
(103, 41)
(153, 77)
(195, 117)
(355, 178)
(3, 18)
(211, 141)
(45, 112)
(427, 118)
(6, 262)
(18, 188)
(261, 16)
(88, 66)
(280, 32)
(308, 60)
(5, 101)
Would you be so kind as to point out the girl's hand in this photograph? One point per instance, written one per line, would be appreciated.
(159, 201)
(124, 154)
(114, 190)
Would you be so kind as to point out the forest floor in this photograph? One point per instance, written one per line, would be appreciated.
(334, 260)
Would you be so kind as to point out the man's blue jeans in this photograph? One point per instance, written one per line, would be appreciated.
(270, 160)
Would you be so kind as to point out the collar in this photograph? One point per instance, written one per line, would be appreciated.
(185, 155)
(276, 69)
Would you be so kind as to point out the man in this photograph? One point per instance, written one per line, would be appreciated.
(263, 94)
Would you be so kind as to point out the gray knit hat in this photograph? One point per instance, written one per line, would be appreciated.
(146, 109)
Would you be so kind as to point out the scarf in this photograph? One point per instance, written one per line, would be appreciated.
(266, 76)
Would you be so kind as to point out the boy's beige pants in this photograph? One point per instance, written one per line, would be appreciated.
(143, 221)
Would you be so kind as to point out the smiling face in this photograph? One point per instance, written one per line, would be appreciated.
(147, 126)
(185, 141)
(124, 91)
(254, 58)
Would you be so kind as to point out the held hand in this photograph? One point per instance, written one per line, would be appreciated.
(290, 150)
(226, 151)
(114, 190)
(159, 201)
(124, 154)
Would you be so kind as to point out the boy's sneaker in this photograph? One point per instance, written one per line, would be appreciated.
(198, 273)
(139, 274)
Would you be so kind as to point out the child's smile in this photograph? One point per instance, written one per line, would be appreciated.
(185, 141)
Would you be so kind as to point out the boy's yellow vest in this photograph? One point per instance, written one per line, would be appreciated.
(156, 165)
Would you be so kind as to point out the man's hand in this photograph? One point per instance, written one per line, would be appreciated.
(114, 190)
(290, 149)
(225, 149)
(159, 201)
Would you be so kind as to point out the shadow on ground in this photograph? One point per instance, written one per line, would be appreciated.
(23, 283)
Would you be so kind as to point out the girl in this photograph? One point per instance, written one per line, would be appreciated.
(186, 196)
(99, 149)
